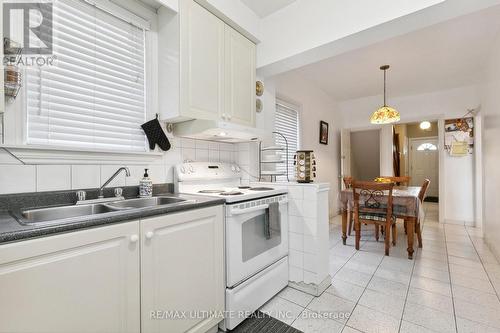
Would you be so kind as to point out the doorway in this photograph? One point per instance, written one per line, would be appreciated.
(424, 164)
(365, 154)
(418, 155)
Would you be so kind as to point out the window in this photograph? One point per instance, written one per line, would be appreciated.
(287, 123)
(94, 95)
(426, 146)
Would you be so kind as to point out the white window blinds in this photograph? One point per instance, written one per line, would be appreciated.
(287, 123)
(94, 95)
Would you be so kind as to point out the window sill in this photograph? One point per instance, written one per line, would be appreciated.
(31, 154)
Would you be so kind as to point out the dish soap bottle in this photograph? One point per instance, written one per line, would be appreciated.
(145, 186)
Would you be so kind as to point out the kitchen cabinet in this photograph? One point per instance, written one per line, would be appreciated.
(104, 279)
(239, 106)
(83, 281)
(206, 68)
(182, 263)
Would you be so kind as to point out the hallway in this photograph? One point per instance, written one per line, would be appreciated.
(451, 286)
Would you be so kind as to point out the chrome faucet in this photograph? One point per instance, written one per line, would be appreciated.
(101, 189)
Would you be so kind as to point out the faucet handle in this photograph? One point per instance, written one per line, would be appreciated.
(118, 192)
(81, 195)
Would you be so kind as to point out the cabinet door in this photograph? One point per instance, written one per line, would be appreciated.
(85, 281)
(182, 270)
(202, 62)
(240, 78)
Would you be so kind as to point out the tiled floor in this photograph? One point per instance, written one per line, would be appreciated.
(451, 286)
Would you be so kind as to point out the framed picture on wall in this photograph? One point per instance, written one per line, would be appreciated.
(323, 132)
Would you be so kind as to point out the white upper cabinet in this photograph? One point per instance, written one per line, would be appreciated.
(239, 79)
(206, 68)
(85, 281)
(202, 62)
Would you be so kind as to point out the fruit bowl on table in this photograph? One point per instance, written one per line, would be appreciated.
(382, 180)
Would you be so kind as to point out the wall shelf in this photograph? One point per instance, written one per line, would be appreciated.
(273, 173)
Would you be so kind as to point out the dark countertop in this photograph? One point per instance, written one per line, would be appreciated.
(12, 230)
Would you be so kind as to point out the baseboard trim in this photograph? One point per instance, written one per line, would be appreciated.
(312, 288)
(460, 222)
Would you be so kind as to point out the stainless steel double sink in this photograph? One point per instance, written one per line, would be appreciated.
(67, 214)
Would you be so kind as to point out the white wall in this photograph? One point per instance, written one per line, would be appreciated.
(490, 113)
(18, 178)
(315, 106)
(458, 206)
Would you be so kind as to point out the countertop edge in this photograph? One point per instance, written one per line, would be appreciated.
(24, 233)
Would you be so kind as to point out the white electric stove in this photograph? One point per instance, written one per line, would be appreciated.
(256, 264)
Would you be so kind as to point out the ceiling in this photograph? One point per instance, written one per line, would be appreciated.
(265, 8)
(443, 56)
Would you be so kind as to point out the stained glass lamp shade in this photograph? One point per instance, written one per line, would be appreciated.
(385, 114)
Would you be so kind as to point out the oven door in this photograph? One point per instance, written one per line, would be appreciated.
(248, 250)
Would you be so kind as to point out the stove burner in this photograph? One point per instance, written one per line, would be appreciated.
(211, 191)
(231, 193)
(244, 187)
(261, 189)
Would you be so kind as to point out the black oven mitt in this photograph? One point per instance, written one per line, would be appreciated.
(155, 134)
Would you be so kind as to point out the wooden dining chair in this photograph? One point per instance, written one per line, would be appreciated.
(400, 181)
(421, 197)
(373, 206)
(348, 185)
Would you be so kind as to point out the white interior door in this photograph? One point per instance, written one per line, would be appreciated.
(345, 154)
(424, 163)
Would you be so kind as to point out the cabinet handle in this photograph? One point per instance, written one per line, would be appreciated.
(149, 234)
(134, 238)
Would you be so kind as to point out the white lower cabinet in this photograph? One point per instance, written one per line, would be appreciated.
(105, 279)
(83, 281)
(182, 264)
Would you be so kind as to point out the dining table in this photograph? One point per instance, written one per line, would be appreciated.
(406, 206)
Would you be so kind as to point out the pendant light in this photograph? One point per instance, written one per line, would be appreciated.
(386, 114)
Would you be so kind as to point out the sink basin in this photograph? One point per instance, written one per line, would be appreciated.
(147, 202)
(53, 214)
(66, 214)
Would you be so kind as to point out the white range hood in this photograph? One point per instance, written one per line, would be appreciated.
(217, 131)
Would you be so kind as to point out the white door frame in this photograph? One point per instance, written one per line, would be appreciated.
(423, 138)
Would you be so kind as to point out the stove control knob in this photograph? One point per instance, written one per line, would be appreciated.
(238, 169)
(183, 169)
(191, 168)
(233, 168)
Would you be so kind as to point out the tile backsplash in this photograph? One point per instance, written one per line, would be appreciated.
(17, 178)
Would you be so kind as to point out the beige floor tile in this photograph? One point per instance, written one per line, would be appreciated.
(431, 285)
(397, 276)
(432, 273)
(334, 306)
(481, 314)
(311, 322)
(430, 299)
(388, 287)
(407, 327)
(468, 326)
(391, 305)
(345, 290)
(371, 321)
(357, 278)
(429, 318)
(282, 310)
(296, 296)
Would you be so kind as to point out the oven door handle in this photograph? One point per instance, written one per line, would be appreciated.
(252, 209)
